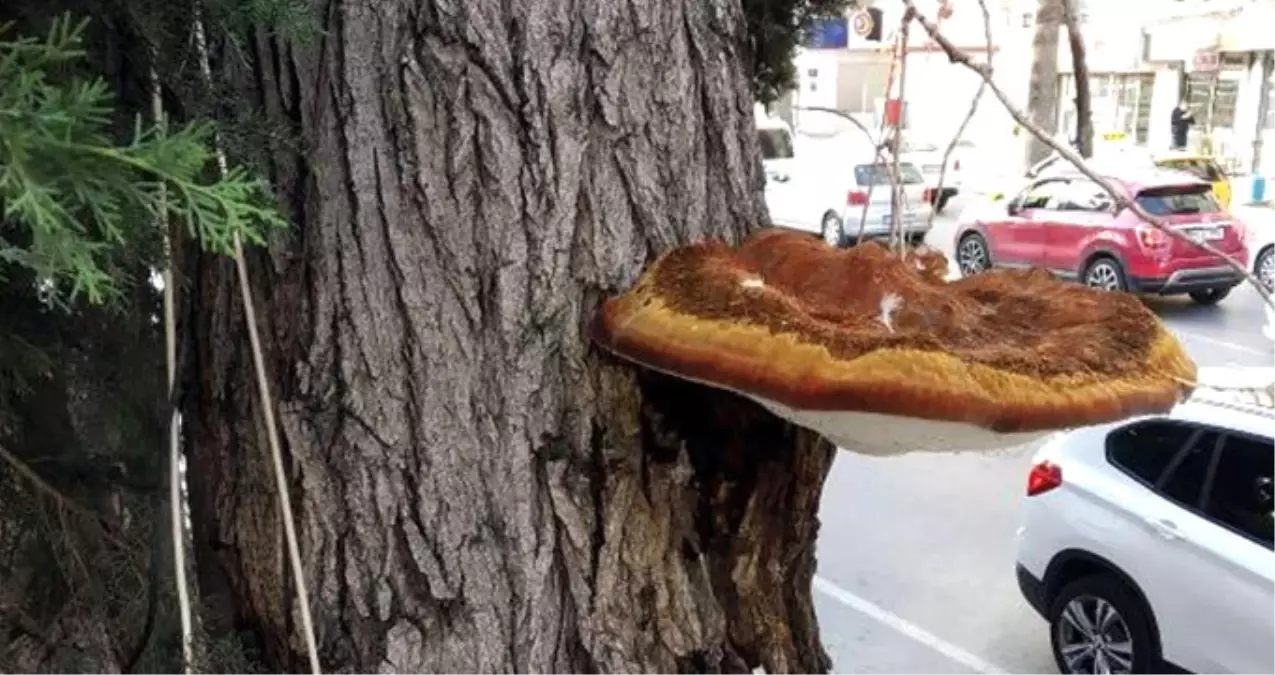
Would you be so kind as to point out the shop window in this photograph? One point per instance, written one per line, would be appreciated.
(1119, 102)
(1223, 91)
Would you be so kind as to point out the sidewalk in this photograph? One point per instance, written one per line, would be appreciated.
(1263, 214)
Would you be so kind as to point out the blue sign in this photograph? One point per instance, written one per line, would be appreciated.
(828, 34)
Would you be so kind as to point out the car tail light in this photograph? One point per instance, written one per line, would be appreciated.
(1043, 477)
(1151, 237)
(856, 198)
(928, 196)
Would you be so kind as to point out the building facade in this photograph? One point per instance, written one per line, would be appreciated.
(853, 78)
(1219, 57)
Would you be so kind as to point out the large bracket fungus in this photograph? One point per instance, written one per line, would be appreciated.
(882, 355)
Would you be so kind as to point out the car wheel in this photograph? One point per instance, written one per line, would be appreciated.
(1097, 625)
(1105, 274)
(1264, 267)
(831, 231)
(941, 203)
(972, 255)
(1210, 296)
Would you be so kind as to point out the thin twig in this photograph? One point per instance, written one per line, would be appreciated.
(43, 486)
(882, 139)
(170, 361)
(896, 188)
(960, 131)
(878, 145)
(263, 389)
(833, 111)
(956, 55)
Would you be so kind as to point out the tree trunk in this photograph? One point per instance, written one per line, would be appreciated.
(478, 487)
(1080, 71)
(1042, 94)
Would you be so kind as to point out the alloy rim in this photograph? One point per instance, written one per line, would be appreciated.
(832, 230)
(1103, 276)
(1092, 637)
(972, 256)
(1266, 270)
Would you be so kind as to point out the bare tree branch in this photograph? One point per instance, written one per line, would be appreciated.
(1080, 76)
(956, 55)
(41, 485)
(896, 190)
(969, 115)
(881, 140)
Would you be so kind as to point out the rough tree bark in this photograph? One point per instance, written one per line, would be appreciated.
(478, 487)
(1080, 73)
(1042, 93)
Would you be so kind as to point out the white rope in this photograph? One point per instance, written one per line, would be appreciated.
(263, 389)
(176, 513)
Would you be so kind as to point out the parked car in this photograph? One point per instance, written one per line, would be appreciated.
(1146, 544)
(928, 157)
(1203, 167)
(1067, 224)
(830, 194)
(1259, 226)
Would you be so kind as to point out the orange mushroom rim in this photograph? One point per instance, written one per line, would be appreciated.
(785, 318)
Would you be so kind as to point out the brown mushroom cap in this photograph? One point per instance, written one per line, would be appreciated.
(844, 340)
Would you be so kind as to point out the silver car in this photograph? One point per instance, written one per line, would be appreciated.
(871, 197)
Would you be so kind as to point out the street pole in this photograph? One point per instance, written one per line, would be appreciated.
(1263, 110)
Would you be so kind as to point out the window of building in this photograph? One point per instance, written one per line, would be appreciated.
(1118, 102)
(1212, 99)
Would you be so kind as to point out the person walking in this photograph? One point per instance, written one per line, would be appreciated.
(1180, 123)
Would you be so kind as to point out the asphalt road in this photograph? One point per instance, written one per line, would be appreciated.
(916, 553)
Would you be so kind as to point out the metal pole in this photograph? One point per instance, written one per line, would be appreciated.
(1263, 110)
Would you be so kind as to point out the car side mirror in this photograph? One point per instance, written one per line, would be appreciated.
(1013, 207)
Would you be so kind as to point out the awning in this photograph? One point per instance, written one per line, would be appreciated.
(1251, 30)
(1179, 39)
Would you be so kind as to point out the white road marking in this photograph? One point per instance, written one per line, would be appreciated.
(898, 623)
(1192, 335)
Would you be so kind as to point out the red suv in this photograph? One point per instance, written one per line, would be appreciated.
(1069, 225)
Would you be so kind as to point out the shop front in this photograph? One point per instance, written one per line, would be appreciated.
(1220, 63)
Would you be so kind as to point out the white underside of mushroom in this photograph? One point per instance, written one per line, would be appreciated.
(886, 435)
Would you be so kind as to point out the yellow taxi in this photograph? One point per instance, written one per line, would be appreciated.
(1116, 144)
(1200, 166)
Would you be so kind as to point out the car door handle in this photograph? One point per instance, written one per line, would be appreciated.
(1167, 529)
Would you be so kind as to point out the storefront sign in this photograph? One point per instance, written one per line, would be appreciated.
(1206, 61)
(828, 34)
(863, 23)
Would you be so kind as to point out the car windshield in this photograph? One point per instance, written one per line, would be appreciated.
(1199, 168)
(879, 174)
(775, 143)
(1178, 200)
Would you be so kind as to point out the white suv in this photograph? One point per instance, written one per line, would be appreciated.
(1147, 544)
